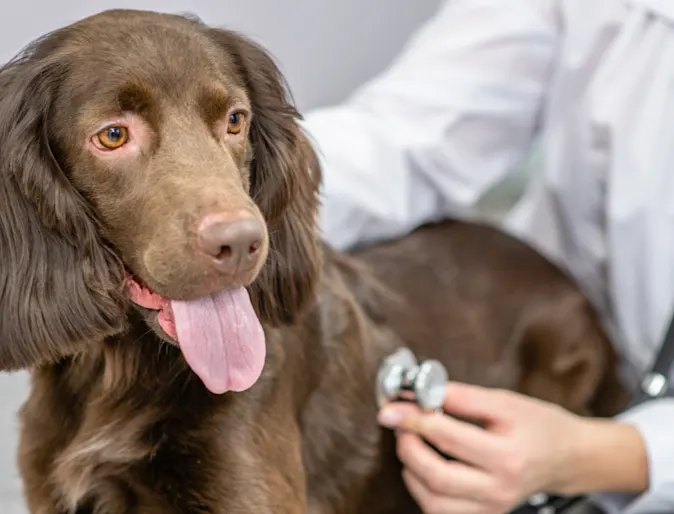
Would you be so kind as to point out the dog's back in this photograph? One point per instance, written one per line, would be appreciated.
(497, 313)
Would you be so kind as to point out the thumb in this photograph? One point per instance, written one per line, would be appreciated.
(476, 403)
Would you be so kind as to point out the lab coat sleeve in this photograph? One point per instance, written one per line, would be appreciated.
(449, 118)
(654, 420)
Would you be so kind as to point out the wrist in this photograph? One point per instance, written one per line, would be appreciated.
(607, 456)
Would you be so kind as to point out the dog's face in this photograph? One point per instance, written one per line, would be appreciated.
(147, 157)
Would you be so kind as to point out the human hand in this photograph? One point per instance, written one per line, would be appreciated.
(524, 446)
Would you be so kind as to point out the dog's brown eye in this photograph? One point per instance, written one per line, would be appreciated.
(235, 122)
(113, 138)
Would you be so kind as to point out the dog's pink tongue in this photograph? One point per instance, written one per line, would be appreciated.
(222, 340)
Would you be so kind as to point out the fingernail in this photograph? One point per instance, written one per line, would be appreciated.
(389, 417)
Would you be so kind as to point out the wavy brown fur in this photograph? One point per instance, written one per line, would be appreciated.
(116, 422)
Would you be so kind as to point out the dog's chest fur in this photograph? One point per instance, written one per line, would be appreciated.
(101, 435)
(89, 446)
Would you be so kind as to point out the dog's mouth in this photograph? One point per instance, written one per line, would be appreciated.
(220, 335)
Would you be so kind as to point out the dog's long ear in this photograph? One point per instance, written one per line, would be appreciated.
(60, 287)
(285, 177)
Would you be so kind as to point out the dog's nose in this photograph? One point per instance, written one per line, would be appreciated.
(232, 243)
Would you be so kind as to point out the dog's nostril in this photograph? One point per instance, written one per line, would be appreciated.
(254, 247)
(225, 252)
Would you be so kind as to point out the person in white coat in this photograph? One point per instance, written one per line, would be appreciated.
(592, 82)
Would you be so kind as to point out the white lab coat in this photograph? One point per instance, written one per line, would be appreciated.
(593, 82)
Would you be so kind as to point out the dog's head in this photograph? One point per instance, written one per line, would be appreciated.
(149, 159)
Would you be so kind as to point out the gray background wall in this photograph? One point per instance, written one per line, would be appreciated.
(325, 48)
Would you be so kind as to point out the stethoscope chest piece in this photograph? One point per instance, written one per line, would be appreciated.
(401, 373)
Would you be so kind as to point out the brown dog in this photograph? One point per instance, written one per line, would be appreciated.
(158, 253)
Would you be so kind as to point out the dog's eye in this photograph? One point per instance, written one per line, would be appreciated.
(113, 138)
(235, 122)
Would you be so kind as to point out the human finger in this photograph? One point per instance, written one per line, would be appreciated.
(453, 437)
(478, 404)
(432, 503)
(442, 476)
